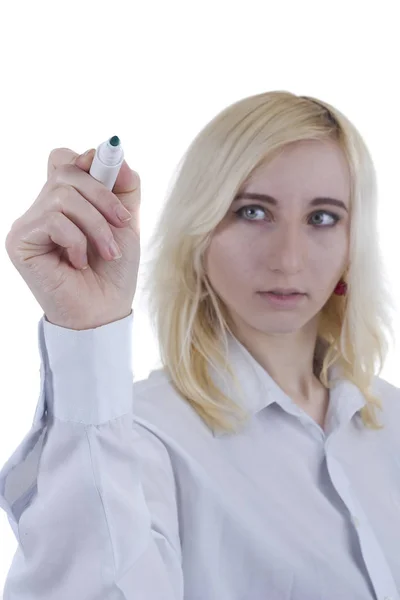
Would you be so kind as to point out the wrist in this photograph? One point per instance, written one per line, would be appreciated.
(86, 324)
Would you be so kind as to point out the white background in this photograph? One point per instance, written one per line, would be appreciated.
(154, 73)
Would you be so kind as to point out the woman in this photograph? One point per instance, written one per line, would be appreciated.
(261, 460)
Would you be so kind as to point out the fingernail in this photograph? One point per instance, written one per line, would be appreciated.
(115, 251)
(123, 214)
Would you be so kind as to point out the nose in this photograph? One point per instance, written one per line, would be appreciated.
(287, 248)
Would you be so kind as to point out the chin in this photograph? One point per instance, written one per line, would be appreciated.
(279, 329)
(274, 325)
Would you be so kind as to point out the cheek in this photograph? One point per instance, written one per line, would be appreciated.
(331, 255)
(238, 261)
(229, 264)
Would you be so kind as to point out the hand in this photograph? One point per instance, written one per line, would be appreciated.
(75, 216)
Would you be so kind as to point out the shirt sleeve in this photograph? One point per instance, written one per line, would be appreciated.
(90, 493)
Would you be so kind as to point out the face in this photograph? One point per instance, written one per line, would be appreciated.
(259, 246)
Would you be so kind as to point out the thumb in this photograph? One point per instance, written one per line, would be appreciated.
(84, 161)
(127, 182)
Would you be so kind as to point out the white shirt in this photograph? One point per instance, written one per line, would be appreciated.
(123, 493)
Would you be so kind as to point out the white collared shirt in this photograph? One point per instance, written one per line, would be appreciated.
(123, 493)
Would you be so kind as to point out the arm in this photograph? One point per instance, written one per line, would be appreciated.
(72, 490)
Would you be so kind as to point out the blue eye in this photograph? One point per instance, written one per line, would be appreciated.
(240, 215)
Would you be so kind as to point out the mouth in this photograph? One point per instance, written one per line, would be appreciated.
(284, 292)
(283, 300)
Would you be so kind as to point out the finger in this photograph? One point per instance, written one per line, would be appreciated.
(128, 181)
(64, 233)
(107, 203)
(44, 234)
(89, 220)
(128, 189)
(127, 186)
(84, 161)
(58, 157)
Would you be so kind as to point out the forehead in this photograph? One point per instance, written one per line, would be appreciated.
(308, 168)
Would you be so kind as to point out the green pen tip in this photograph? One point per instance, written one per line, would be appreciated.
(115, 141)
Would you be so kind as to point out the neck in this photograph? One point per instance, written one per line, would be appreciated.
(288, 359)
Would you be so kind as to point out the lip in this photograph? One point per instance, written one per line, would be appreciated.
(283, 302)
(284, 291)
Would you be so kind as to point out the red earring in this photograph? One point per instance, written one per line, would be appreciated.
(341, 288)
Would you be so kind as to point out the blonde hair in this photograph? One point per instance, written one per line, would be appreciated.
(191, 322)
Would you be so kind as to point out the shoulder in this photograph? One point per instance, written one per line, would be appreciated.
(387, 392)
(158, 406)
(389, 396)
(156, 391)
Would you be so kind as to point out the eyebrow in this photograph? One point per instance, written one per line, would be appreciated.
(323, 200)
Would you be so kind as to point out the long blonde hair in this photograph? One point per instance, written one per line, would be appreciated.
(191, 322)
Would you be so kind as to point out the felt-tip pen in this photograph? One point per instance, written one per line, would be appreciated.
(107, 162)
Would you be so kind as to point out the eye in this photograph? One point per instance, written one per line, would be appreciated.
(240, 215)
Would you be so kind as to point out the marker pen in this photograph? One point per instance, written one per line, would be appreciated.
(107, 162)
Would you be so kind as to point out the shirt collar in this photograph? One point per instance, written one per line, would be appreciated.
(260, 390)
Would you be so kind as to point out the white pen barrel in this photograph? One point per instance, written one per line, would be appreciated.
(107, 163)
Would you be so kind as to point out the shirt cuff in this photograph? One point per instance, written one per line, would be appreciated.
(88, 374)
